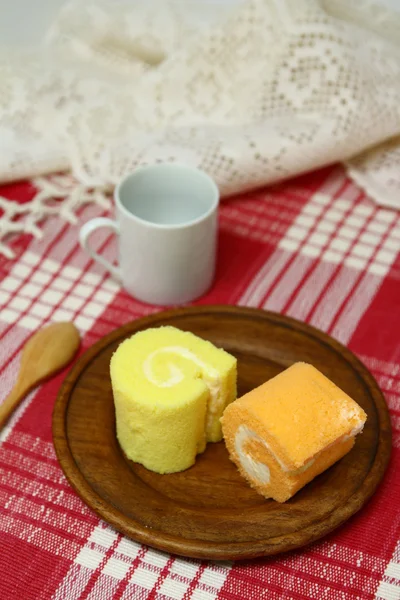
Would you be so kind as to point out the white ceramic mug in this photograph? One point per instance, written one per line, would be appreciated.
(166, 221)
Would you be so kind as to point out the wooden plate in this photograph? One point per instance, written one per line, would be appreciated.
(208, 511)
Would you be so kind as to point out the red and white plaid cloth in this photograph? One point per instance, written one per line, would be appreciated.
(316, 249)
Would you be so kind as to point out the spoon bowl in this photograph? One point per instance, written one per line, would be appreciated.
(46, 352)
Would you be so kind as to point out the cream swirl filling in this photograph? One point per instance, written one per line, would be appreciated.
(257, 469)
(355, 431)
(210, 376)
(254, 468)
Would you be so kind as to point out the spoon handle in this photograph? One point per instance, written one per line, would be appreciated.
(10, 404)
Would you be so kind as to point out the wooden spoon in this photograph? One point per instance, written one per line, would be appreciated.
(46, 352)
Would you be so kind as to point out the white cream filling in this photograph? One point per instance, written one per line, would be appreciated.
(355, 431)
(348, 413)
(253, 467)
(210, 376)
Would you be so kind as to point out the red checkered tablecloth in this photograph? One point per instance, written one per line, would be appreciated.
(314, 248)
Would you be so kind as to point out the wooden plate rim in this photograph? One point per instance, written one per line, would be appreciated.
(217, 550)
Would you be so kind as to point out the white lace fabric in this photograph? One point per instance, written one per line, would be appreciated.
(252, 94)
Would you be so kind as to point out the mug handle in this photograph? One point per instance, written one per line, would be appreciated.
(84, 234)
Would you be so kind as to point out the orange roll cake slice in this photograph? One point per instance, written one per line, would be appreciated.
(290, 429)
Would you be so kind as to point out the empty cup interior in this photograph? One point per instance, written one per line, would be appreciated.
(168, 194)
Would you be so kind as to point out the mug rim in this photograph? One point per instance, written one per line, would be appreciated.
(168, 226)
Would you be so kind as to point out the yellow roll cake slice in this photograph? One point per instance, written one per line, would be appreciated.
(287, 431)
(170, 389)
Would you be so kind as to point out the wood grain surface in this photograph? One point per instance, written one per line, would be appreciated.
(208, 511)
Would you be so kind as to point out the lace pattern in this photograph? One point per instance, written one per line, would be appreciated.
(252, 94)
